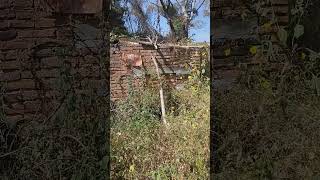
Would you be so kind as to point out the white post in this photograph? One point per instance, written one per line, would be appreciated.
(163, 109)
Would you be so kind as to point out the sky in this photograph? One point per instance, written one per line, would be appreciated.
(200, 33)
(203, 33)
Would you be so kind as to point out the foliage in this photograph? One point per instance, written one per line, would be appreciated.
(143, 148)
(263, 140)
(117, 18)
(267, 134)
(180, 16)
(70, 143)
(269, 122)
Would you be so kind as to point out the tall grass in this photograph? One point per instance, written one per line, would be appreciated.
(72, 144)
(269, 130)
(143, 148)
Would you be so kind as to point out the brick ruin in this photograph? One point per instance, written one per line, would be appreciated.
(43, 42)
(40, 44)
(38, 40)
(236, 35)
(175, 64)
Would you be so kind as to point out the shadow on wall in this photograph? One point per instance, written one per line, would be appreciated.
(312, 26)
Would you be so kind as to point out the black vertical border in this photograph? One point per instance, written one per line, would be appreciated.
(214, 161)
(106, 9)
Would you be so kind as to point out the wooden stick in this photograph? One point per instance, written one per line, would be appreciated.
(163, 109)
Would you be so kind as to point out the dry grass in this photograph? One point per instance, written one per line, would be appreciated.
(270, 134)
(143, 148)
(73, 145)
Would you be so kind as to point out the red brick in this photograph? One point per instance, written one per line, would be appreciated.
(4, 25)
(89, 59)
(49, 84)
(26, 75)
(24, 14)
(29, 95)
(27, 64)
(14, 118)
(13, 97)
(52, 42)
(17, 54)
(37, 33)
(16, 44)
(10, 65)
(20, 24)
(47, 52)
(51, 73)
(21, 84)
(87, 72)
(32, 106)
(21, 4)
(10, 76)
(93, 83)
(53, 94)
(64, 33)
(51, 62)
(2, 56)
(10, 55)
(7, 14)
(16, 108)
(4, 4)
(8, 35)
(45, 23)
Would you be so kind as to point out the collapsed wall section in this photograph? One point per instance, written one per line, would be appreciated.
(175, 64)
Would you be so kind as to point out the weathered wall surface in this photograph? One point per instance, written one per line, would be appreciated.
(37, 54)
(232, 36)
(175, 64)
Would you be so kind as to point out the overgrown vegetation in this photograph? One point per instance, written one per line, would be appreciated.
(70, 142)
(265, 134)
(67, 146)
(142, 147)
(269, 124)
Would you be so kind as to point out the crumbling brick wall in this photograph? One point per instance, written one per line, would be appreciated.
(37, 45)
(175, 64)
(232, 36)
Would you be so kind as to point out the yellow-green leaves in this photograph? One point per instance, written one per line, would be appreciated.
(194, 125)
(253, 50)
(265, 85)
(267, 25)
(298, 31)
(227, 52)
(131, 168)
(283, 36)
(303, 56)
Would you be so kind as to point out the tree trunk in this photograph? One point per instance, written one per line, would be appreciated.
(185, 33)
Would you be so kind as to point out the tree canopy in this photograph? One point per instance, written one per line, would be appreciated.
(152, 17)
